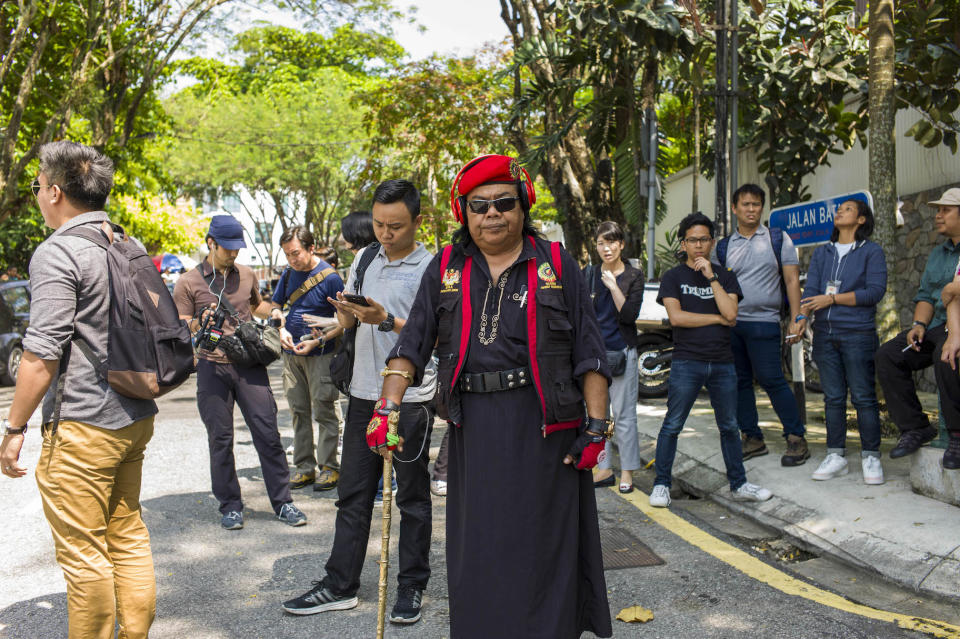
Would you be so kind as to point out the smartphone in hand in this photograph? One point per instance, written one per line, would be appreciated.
(359, 300)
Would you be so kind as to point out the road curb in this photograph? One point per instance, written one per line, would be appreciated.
(924, 572)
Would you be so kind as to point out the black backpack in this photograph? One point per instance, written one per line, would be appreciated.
(149, 348)
(341, 365)
(776, 242)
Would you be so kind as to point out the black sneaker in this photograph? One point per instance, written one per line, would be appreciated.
(951, 457)
(911, 440)
(407, 608)
(319, 599)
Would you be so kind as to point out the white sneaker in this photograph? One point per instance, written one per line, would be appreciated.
(832, 466)
(872, 471)
(660, 496)
(751, 492)
(438, 487)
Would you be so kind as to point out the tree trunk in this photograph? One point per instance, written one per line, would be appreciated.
(569, 168)
(882, 148)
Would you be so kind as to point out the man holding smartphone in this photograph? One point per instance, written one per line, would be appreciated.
(304, 288)
(389, 286)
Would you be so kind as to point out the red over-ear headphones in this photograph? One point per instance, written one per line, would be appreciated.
(458, 203)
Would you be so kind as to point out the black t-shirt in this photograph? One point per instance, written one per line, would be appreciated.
(704, 343)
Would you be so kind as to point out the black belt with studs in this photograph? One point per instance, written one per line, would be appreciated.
(494, 381)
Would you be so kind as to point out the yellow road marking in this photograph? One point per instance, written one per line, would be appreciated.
(756, 569)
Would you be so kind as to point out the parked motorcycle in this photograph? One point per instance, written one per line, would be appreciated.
(655, 349)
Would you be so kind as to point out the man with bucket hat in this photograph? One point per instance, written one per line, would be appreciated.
(218, 284)
(920, 346)
(520, 354)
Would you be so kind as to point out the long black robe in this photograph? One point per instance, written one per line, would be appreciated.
(523, 541)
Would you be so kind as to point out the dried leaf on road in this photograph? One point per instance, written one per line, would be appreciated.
(635, 613)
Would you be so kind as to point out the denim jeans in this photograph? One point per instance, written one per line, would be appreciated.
(623, 408)
(687, 377)
(756, 353)
(845, 360)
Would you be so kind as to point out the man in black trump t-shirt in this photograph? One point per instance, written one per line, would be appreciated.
(701, 299)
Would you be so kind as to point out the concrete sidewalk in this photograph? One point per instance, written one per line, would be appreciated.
(905, 537)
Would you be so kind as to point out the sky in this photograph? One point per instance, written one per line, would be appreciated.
(454, 27)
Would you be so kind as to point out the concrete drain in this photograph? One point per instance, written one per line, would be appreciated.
(782, 550)
(621, 549)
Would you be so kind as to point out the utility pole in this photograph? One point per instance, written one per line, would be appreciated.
(720, 136)
(734, 90)
(652, 144)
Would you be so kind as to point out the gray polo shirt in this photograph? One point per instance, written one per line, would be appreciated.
(70, 298)
(394, 285)
(753, 262)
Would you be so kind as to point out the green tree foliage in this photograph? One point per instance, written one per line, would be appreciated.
(161, 226)
(280, 124)
(429, 119)
(581, 68)
(84, 70)
(803, 88)
(799, 65)
(90, 71)
(927, 36)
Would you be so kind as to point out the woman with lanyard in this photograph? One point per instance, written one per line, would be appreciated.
(845, 282)
(616, 289)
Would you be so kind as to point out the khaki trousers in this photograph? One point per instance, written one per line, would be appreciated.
(311, 395)
(89, 480)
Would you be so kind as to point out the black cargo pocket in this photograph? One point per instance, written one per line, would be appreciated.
(564, 393)
(445, 370)
(447, 311)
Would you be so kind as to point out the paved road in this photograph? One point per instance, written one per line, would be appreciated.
(216, 584)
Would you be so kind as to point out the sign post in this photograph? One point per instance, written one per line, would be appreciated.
(810, 223)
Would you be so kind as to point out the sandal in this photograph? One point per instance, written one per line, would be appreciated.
(626, 488)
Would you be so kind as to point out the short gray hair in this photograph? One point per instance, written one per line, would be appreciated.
(83, 174)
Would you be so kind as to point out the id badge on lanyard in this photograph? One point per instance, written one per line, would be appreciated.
(833, 287)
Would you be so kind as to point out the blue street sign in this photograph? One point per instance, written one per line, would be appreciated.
(812, 222)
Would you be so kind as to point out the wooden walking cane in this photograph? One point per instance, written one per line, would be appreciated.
(387, 516)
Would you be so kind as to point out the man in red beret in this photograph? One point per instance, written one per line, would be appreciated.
(520, 353)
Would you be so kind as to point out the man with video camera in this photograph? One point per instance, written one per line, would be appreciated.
(216, 298)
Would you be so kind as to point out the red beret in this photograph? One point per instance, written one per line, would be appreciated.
(487, 169)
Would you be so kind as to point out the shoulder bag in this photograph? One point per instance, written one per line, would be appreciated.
(341, 366)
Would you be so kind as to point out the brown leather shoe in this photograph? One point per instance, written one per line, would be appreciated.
(797, 451)
(327, 479)
(752, 447)
(302, 480)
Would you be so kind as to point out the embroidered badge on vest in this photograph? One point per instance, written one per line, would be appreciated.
(450, 281)
(547, 276)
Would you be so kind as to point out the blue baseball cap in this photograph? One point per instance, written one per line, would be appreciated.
(227, 231)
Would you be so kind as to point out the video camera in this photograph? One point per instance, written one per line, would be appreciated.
(211, 330)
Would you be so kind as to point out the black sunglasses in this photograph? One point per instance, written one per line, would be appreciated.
(503, 205)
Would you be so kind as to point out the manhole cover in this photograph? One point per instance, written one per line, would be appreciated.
(622, 550)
